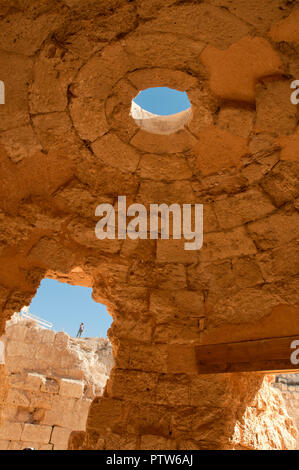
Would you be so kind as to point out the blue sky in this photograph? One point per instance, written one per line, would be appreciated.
(163, 100)
(66, 306)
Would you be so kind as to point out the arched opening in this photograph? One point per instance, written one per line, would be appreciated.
(66, 306)
(54, 370)
(161, 110)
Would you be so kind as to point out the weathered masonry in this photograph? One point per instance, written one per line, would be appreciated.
(67, 144)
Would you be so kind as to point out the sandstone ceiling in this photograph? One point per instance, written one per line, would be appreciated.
(67, 143)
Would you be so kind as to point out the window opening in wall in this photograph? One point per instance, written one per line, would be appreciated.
(161, 110)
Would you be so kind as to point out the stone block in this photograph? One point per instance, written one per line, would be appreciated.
(23, 414)
(281, 183)
(106, 414)
(21, 349)
(36, 433)
(109, 147)
(118, 442)
(163, 167)
(159, 144)
(218, 150)
(143, 357)
(60, 437)
(61, 340)
(4, 444)
(173, 393)
(81, 412)
(246, 272)
(15, 445)
(242, 208)
(45, 352)
(11, 431)
(41, 400)
(226, 245)
(136, 386)
(72, 373)
(282, 262)
(151, 442)
(16, 332)
(71, 388)
(50, 386)
(179, 192)
(38, 415)
(236, 120)
(9, 413)
(181, 304)
(25, 444)
(276, 113)
(48, 336)
(67, 361)
(276, 230)
(32, 335)
(34, 381)
(14, 348)
(46, 447)
(173, 251)
(19, 363)
(17, 397)
(17, 380)
(61, 412)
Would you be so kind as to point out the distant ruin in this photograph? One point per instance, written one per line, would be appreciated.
(52, 380)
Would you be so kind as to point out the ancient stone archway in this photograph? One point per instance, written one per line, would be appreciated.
(69, 144)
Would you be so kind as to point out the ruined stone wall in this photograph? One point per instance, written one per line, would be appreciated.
(67, 144)
(263, 424)
(288, 384)
(291, 399)
(52, 380)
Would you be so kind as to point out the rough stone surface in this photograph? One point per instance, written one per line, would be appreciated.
(51, 382)
(288, 384)
(67, 144)
(287, 29)
(266, 407)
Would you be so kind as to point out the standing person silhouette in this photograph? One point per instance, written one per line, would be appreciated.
(80, 331)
